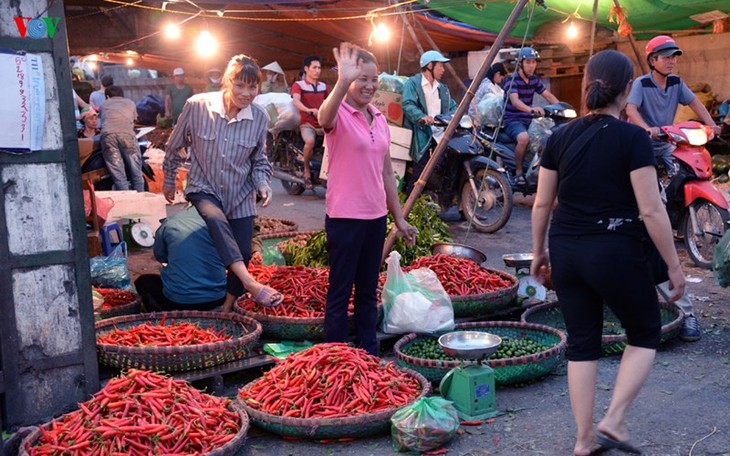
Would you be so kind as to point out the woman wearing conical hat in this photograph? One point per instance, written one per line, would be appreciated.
(275, 79)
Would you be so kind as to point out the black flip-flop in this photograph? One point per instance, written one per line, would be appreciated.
(608, 441)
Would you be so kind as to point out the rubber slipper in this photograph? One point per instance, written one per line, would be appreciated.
(268, 297)
(608, 441)
(308, 183)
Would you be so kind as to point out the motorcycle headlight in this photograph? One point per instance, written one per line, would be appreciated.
(570, 114)
(695, 136)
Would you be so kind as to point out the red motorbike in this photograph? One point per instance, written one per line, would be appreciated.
(696, 208)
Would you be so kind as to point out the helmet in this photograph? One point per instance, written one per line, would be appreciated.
(662, 44)
(527, 53)
(432, 56)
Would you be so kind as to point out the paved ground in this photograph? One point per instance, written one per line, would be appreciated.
(683, 409)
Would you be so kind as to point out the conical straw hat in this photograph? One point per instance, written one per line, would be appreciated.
(275, 67)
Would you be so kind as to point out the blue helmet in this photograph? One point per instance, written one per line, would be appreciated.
(527, 53)
(432, 56)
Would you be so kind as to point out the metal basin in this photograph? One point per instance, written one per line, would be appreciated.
(459, 250)
(517, 260)
(470, 344)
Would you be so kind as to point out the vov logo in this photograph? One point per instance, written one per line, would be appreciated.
(39, 27)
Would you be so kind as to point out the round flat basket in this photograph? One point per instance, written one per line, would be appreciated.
(328, 428)
(244, 333)
(485, 304)
(286, 328)
(125, 309)
(292, 328)
(614, 338)
(230, 447)
(509, 371)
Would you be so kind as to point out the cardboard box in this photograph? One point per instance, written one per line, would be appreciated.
(400, 145)
(390, 105)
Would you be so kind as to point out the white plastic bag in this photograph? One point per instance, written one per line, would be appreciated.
(415, 301)
(490, 109)
(287, 115)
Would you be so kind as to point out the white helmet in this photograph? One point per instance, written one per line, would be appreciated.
(432, 56)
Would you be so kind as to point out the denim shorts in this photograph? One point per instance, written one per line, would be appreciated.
(516, 127)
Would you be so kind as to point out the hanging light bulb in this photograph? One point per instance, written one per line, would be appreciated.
(130, 61)
(572, 32)
(206, 44)
(172, 31)
(382, 32)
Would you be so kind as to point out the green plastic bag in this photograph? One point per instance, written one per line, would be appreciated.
(272, 255)
(425, 425)
(721, 261)
(286, 347)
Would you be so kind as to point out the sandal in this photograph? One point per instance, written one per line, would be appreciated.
(308, 183)
(520, 180)
(267, 297)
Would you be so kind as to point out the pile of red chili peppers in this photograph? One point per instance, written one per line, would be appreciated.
(141, 413)
(331, 380)
(460, 276)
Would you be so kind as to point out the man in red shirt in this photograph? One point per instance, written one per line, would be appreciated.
(308, 95)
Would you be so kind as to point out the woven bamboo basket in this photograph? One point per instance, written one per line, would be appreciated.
(485, 304)
(328, 428)
(288, 328)
(244, 332)
(116, 311)
(509, 371)
(614, 338)
(229, 448)
(292, 328)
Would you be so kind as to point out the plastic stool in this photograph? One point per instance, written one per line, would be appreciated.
(111, 236)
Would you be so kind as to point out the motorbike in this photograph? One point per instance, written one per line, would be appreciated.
(465, 178)
(697, 210)
(285, 152)
(502, 146)
(102, 179)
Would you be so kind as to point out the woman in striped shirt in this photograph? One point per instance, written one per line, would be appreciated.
(225, 136)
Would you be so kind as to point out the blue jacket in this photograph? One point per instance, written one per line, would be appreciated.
(194, 272)
(414, 108)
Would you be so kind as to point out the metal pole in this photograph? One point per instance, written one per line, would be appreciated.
(632, 41)
(447, 64)
(423, 178)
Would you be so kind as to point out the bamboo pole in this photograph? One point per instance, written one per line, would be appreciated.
(463, 106)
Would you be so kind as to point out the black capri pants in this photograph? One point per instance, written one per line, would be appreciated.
(587, 272)
(231, 237)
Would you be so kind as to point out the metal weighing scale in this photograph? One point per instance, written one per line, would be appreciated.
(528, 288)
(471, 386)
(137, 234)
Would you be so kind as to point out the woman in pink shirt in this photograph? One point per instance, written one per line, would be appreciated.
(361, 188)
